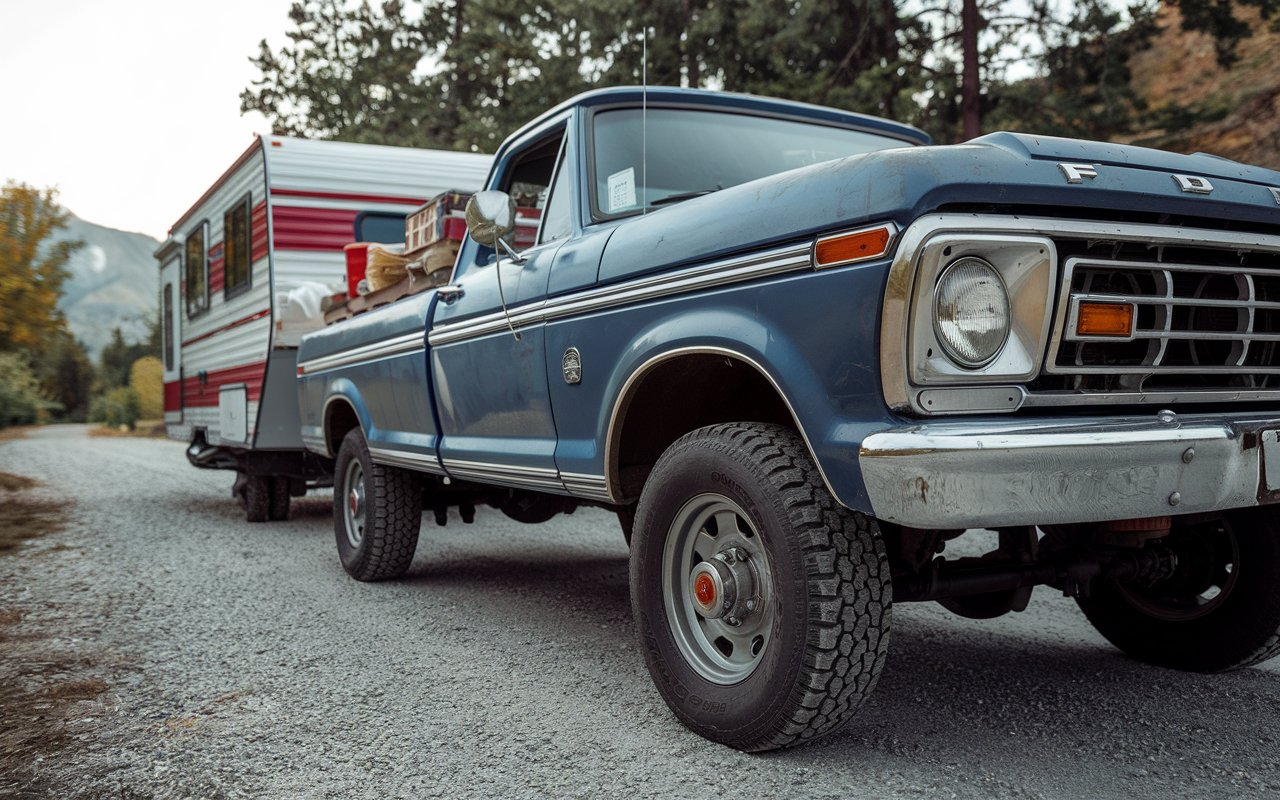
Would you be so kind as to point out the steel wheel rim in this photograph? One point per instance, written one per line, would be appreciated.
(721, 653)
(353, 505)
(1197, 592)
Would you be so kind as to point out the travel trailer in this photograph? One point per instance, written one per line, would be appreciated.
(242, 275)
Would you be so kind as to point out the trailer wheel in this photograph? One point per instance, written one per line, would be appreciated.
(1220, 610)
(278, 505)
(255, 495)
(761, 604)
(377, 512)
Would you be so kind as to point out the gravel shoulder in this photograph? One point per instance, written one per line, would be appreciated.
(159, 646)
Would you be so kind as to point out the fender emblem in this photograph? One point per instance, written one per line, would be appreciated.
(572, 365)
(1275, 193)
(1076, 173)
(1193, 184)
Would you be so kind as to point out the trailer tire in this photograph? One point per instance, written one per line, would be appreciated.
(257, 498)
(799, 662)
(377, 513)
(278, 505)
(1220, 611)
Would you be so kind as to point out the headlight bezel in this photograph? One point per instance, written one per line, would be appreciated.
(1026, 264)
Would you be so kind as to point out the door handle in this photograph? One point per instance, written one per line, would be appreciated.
(450, 294)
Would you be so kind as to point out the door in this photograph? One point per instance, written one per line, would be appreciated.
(171, 336)
(491, 381)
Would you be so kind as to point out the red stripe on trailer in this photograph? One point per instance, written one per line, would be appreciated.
(257, 315)
(258, 232)
(328, 229)
(217, 275)
(173, 396)
(358, 198)
(203, 392)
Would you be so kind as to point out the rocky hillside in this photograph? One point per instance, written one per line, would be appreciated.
(114, 282)
(1195, 105)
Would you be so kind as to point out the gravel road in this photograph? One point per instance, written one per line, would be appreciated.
(160, 646)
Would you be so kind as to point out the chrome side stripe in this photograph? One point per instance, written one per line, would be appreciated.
(589, 486)
(704, 276)
(421, 462)
(504, 475)
(400, 345)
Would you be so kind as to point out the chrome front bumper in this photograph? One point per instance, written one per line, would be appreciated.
(1059, 471)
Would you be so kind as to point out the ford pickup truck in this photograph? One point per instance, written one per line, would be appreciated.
(798, 351)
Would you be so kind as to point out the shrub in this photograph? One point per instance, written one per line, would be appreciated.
(146, 377)
(120, 406)
(20, 400)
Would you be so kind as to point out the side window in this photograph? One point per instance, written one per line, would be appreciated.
(197, 278)
(166, 325)
(235, 248)
(556, 217)
(528, 183)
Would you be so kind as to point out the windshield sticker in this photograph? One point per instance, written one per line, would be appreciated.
(622, 189)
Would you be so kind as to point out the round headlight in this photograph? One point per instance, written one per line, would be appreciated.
(971, 312)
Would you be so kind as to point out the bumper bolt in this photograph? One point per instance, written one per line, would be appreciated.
(1175, 498)
(1188, 455)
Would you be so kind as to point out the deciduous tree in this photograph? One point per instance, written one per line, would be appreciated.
(32, 267)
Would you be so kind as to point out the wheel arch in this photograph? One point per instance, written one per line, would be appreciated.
(638, 432)
(343, 412)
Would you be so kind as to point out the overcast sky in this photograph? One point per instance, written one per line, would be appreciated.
(130, 108)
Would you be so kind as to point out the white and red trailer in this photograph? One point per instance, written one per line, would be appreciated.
(277, 220)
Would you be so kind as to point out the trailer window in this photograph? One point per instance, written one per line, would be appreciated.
(197, 282)
(166, 325)
(380, 226)
(235, 249)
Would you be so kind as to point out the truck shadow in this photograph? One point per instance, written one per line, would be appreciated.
(978, 696)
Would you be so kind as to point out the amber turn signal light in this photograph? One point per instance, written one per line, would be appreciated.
(847, 248)
(1105, 319)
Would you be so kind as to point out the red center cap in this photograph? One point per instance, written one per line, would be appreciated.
(355, 503)
(705, 590)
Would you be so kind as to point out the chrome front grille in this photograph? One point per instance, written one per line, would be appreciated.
(1204, 320)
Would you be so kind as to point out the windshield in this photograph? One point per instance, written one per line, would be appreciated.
(694, 152)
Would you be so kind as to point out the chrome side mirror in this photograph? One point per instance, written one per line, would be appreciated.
(490, 217)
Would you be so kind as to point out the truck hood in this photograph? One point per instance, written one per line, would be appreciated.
(1000, 172)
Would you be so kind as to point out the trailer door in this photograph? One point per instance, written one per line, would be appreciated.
(171, 337)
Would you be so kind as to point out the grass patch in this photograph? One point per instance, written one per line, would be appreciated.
(9, 434)
(145, 429)
(23, 518)
(13, 483)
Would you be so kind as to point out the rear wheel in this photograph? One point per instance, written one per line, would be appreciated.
(377, 512)
(761, 604)
(1219, 611)
(278, 504)
(255, 495)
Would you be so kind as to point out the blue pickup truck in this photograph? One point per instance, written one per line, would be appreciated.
(799, 350)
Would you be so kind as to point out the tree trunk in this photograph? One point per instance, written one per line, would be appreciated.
(970, 97)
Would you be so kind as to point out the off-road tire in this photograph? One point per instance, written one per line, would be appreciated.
(278, 503)
(393, 515)
(830, 581)
(257, 498)
(1243, 630)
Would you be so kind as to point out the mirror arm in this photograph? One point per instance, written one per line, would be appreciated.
(512, 254)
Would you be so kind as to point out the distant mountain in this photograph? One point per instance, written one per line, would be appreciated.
(114, 282)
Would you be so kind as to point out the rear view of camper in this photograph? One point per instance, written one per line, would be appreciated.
(249, 269)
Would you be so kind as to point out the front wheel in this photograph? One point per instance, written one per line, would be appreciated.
(1219, 611)
(377, 513)
(762, 605)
